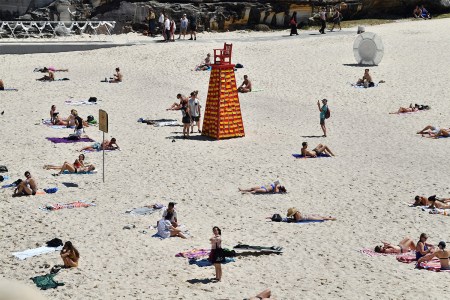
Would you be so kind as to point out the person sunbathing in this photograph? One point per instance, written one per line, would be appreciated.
(106, 145)
(118, 77)
(404, 246)
(70, 255)
(26, 187)
(49, 77)
(264, 295)
(273, 188)
(441, 253)
(78, 163)
(319, 149)
(165, 228)
(444, 132)
(294, 215)
(441, 204)
(177, 106)
(246, 85)
(429, 129)
(53, 69)
(411, 108)
(423, 248)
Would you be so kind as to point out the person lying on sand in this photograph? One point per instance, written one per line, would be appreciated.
(434, 131)
(440, 253)
(177, 106)
(264, 295)
(53, 69)
(77, 167)
(273, 188)
(404, 246)
(26, 187)
(423, 248)
(2, 85)
(411, 108)
(246, 85)
(49, 77)
(294, 215)
(118, 77)
(70, 255)
(430, 201)
(165, 228)
(366, 80)
(316, 151)
(106, 145)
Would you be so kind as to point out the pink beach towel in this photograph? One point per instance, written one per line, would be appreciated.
(407, 258)
(194, 253)
(59, 206)
(432, 265)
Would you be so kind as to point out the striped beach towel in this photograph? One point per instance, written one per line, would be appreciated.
(59, 206)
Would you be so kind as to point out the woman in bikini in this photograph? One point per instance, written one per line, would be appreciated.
(79, 163)
(273, 188)
(216, 242)
(423, 248)
(319, 149)
(70, 255)
(441, 253)
(294, 215)
(405, 245)
(411, 108)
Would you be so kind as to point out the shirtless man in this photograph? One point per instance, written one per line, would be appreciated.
(366, 80)
(117, 77)
(106, 145)
(49, 77)
(246, 86)
(316, 151)
(26, 187)
(177, 106)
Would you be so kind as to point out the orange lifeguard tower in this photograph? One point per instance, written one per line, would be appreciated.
(223, 117)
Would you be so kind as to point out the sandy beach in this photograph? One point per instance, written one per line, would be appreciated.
(380, 165)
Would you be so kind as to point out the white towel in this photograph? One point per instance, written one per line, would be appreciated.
(35, 252)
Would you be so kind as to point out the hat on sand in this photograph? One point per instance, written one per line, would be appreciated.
(291, 211)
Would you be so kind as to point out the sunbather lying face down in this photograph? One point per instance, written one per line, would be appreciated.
(106, 145)
(316, 151)
(432, 202)
(296, 216)
(404, 246)
(272, 188)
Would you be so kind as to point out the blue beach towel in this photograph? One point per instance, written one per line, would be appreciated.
(304, 222)
(301, 156)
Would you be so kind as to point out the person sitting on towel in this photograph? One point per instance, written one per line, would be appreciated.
(49, 77)
(404, 246)
(246, 85)
(171, 210)
(106, 145)
(2, 85)
(319, 149)
(294, 215)
(26, 187)
(70, 255)
(275, 187)
(366, 80)
(440, 253)
(165, 228)
(423, 248)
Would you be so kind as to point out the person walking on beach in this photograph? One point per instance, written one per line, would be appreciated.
(323, 111)
(193, 26)
(293, 23)
(166, 29)
(216, 255)
(151, 18)
(183, 26)
(323, 20)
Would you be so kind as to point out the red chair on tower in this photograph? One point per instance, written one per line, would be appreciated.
(223, 56)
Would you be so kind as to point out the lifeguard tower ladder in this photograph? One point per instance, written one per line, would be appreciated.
(223, 117)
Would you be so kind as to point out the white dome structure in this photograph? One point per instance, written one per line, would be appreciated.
(368, 49)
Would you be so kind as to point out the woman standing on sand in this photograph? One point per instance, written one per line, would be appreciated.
(216, 255)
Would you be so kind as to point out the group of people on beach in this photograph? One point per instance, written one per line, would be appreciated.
(191, 112)
(168, 26)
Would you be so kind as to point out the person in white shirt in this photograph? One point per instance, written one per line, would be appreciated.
(165, 228)
(194, 108)
(171, 210)
(167, 29)
(161, 23)
(183, 26)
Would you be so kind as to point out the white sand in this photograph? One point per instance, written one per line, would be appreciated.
(380, 164)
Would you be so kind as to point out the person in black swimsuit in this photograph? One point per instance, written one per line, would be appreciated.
(186, 118)
(442, 254)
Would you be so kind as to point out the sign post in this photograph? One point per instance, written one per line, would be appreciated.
(103, 126)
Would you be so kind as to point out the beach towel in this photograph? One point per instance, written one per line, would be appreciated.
(301, 156)
(35, 252)
(362, 86)
(142, 211)
(59, 206)
(432, 265)
(432, 211)
(10, 90)
(65, 140)
(8, 185)
(160, 122)
(99, 150)
(79, 102)
(47, 281)
(48, 123)
(206, 263)
(194, 253)
(79, 172)
(246, 248)
(407, 257)
(302, 221)
(70, 184)
(257, 90)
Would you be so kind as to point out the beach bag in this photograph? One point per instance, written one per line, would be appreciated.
(277, 218)
(239, 66)
(327, 114)
(54, 243)
(219, 256)
(3, 169)
(92, 99)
